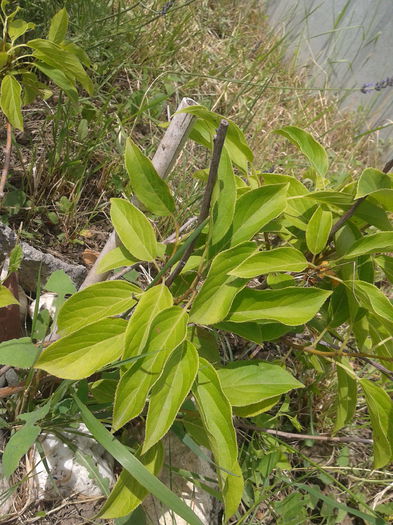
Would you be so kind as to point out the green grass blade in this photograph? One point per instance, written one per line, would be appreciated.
(135, 467)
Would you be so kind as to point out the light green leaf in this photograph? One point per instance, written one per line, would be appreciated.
(371, 298)
(248, 382)
(276, 260)
(18, 352)
(17, 446)
(116, 258)
(380, 408)
(318, 230)
(167, 332)
(135, 468)
(374, 243)
(82, 353)
(134, 230)
(223, 203)
(255, 209)
(256, 332)
(372, 181)
(297, 196)
(346, 396)
(6, 297)
(169, 392)
(145, 182)
(256, 408)
(315, 153)
(11, 101)
(291, 306)
(219, 289)
(58, 27)
(149, 305)
(216, 414)
(96, 302)
(59, 78)
(127, 494)
(18, 27)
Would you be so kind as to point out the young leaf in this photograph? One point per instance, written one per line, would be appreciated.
(223, 202)
(255, 209)
(248, 382)
(82, 353)
(149, 188)
(318, 230)
(149, 305)
(371, 181)
(216, 414)
(18, 27)
(380, 408)
(18, 352)
(374, 243)
(134, 230)
(346, 396)
(6, 297)
(11, 101)
(17, 446)
(96, 302)
(315, 153)
(58, 26)
(276, 260)
(169, 392)
(127, 494)
(135, 468)
(167, 332)
(291, 306)
(219, 289)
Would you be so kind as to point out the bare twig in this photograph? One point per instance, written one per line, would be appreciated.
(292, 435)
(7, 159)
(205, 206)
(348, 214)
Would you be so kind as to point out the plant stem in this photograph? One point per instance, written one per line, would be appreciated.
(7, 159)
(205, 207)
(291, 435)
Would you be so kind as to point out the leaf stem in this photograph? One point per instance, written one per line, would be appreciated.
(7, 159)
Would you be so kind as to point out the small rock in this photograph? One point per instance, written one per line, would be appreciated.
(33, 260)
(7, 241)
(11, 377)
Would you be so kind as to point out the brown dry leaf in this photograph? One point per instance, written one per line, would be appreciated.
(89, 256)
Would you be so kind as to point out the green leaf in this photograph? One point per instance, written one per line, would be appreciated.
(59, 78)
(127, 494)
(291, 306)
(216, 414)
(318, 230)
(256, 408)
(374, 243)
(60, 283)
(386, 263)
(11, 101)
(276, 260)
(380, 408)
(169, 392)
(135, 468)
(223, 203)
(134, 230)
(256, 332)
(82, 353)
(145, 182)
(235, 142)
(6, 297)
(17, 446)
(248, 382)
(104, 390)
(96, 302)
(149, 305)
(116, 258)
(299, 204)
(315, 153)
(371, 298)
(18, 352)
(346, 396)
(167, 332)
(58, 27)
(215, 297)
(371, 181)
(18, 27)
(255, 209)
